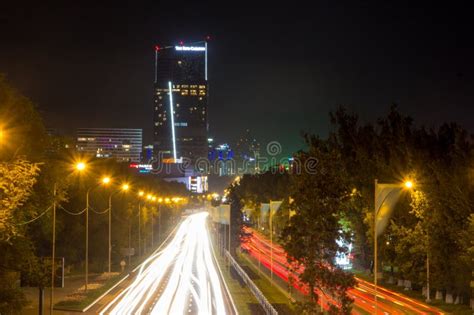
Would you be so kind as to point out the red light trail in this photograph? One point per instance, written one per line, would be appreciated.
(388, 302)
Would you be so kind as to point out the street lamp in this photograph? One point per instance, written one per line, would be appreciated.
(53, 251)
(148, 197)
(106, 181)
(80, 166)
(392, 188)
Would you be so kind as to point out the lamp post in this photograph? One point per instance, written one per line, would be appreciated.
(151, 224)
(124, 188)
(53, 250)
(394, 188)
(81, 166)
(160, 201)
(87, 239)
(105, 181)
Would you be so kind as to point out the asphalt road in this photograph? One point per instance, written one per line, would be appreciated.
(182, 278)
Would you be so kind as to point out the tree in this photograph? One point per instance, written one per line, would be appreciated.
(16, 182)
(311, 239)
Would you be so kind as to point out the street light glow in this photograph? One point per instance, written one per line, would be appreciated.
(80, 166)
(409, 184)
(125, 187)
(106, 180)
(141, 193)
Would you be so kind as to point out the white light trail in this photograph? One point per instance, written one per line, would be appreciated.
(189, 262)
(170, 87)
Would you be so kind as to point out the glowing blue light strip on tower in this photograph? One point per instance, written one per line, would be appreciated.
(205, 60)
(170, 87)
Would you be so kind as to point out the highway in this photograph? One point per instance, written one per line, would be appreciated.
(183, 278)
(388, 302)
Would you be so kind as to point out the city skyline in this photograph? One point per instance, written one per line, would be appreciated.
(284, 68)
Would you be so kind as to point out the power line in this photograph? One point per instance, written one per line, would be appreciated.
(99, 212)
(34, 219)
(73, 213)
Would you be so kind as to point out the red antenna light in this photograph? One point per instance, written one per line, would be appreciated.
(181, 42)
(157, 47)
(208, 37)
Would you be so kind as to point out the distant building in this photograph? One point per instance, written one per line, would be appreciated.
(222, 161)
(180, 101)
(124, 145)
(247, 150)
(147, 154)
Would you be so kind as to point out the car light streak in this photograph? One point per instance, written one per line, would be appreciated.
(389, 302)
(188, 260)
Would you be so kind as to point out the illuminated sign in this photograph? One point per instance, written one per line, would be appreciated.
(190, 48)
(148, 167)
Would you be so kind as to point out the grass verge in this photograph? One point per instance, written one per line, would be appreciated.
(276, 294)
(87, 299)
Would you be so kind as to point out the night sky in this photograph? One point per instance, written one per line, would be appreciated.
(276, 70)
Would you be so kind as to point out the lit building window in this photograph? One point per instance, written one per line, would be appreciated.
(184, 92)
(193, 92)
(201, 92)
(202, 86)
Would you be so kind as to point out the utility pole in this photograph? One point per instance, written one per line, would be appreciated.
(375, 243)
(129, 241)
(428, 266)
(151, 222)
(110, 233)
(87, 239)
(139, 230)
(53, 257)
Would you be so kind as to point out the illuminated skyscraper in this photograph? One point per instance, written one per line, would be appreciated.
(180, 101)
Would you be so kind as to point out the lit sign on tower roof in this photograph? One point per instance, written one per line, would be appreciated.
(190, 48)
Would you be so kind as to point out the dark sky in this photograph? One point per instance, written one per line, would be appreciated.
(276, 69)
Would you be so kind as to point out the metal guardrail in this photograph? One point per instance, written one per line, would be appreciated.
(267, 307)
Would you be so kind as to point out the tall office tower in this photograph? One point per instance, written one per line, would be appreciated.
(123, 144)
(180, 102)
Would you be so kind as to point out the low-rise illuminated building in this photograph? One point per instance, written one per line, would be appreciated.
(122, 144)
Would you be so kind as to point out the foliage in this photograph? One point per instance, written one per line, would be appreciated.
(17, 178)
(311, 238)
(32, 163)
